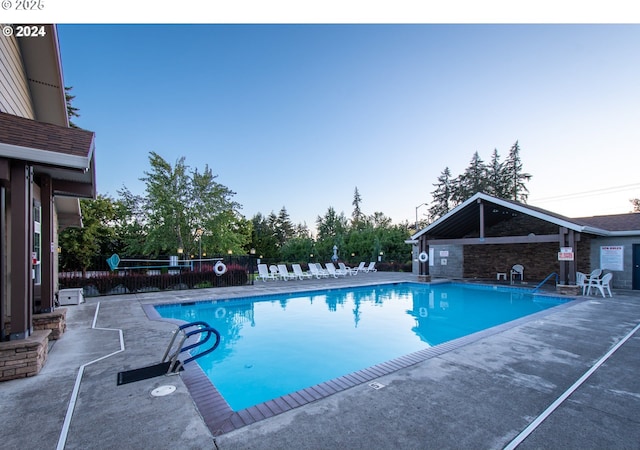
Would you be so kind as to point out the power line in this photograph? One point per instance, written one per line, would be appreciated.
(603, 191)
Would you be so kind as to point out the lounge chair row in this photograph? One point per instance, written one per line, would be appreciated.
(281, 272)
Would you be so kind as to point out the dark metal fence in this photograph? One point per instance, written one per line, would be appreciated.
(144, 275)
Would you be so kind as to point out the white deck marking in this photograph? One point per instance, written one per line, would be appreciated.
(74, 394)
(547, 412)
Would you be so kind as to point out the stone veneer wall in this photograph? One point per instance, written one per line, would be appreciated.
(55, 321)
(24, 357)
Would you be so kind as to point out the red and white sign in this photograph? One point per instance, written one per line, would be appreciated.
(565, 256)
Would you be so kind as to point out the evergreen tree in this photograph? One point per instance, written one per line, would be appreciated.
(263, 237)
(356, 215)
(332, 228)
(442, 195)
(496, 185)
(283, 227)
(515, 178)
(302, 231)
(473, 180)
(72, 111)
(636, 204)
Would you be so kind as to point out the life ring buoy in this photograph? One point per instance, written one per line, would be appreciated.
(220, 313)
(423, 257)
(220, 268)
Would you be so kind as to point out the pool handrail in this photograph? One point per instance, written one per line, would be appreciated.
(175, 365)
(545, 280)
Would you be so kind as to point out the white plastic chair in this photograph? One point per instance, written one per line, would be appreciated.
(602, 284)
(594, 278)
(517, 269)
(582, 281)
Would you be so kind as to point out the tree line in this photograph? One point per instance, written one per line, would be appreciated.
(185, 210)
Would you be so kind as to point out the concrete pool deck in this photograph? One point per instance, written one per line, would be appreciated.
(480, 395)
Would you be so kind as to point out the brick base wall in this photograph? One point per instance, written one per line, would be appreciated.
(24, 357)
(55, 321)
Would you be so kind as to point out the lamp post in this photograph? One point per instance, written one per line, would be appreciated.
(421, 204)
(252, 257)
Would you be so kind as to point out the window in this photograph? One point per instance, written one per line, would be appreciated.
(37, 242)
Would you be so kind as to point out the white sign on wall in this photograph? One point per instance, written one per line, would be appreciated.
(612, 257)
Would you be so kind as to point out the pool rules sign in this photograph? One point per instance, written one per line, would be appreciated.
(612, 257)
(565, 254)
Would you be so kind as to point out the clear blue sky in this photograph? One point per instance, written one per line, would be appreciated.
(299, 115)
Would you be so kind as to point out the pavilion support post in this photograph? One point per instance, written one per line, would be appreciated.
(47, 288)
(21, 198)
(481, 206)
(571, 241)
(423, 266)
(563, 264)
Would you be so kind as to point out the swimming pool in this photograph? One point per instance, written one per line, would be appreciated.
(278, 344)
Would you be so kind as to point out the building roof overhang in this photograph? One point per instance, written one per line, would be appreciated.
(43, 68)
(464, 218)
(65, 154)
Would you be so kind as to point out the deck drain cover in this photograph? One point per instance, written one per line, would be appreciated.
(161, 391)
(376, 385)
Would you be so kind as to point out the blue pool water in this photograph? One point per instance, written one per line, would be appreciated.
(278, 344)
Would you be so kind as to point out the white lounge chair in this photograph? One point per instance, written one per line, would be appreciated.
(333, 272)
(284, 273)
(347, 270)
(313, 268)
(601, 285)
(371, 267)
(322, 270)
(297, 271)
(517, 269)
(361, 267)
(263, 273)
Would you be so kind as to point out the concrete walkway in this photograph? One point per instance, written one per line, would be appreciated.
(481, 395)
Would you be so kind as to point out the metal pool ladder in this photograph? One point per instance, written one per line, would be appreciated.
(194, 334)
(175, 365)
